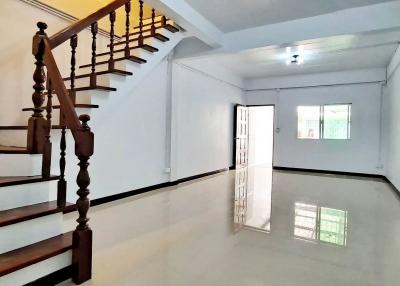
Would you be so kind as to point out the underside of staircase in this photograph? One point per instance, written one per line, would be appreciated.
(34, 248)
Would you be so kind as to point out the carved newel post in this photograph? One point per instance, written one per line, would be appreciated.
(37, 124)
(82, 237)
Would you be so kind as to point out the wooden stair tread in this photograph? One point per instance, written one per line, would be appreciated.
(131, 58)
(171, 28)
(144, 47)
(158, 36)
(14, 127)
(79, 105)
(25, 213)
(13, 150)
(114, 71)
(76, 105)
(23, 257)
(24, 127)
(20, 180)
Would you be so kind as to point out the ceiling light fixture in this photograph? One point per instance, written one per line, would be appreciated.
(295, 58)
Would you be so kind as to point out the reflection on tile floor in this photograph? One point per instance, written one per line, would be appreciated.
(320, 224)
(252, 207)
(316, 230)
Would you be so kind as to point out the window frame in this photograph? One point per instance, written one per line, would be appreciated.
(321, 121)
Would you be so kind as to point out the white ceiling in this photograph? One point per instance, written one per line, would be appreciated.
(347, 52)
(233, 15)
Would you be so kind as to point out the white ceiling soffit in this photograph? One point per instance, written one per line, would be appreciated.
(351, 21)
(234, 15)
(345, 22)
(190, 19)
(347, 52)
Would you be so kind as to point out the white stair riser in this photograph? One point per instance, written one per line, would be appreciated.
(157, 19)
(38, 270)
(140, 53)
(29, 232)
(102, 80)
(27, 194)
(20, 164)
(13, 138)
(81, 96)
(103, 67)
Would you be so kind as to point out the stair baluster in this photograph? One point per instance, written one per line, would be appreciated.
(47, 143)
(140, 38)
(62, 183)
(94, 30)
(111, 63)
(127, 28)
(153, 26)
(163, 21)
(74, 45)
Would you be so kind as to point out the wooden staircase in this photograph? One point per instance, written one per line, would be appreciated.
(32, 200)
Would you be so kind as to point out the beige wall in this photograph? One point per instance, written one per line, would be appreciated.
(80, 9)
(17, 26)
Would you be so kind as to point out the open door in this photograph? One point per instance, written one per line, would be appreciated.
(241, 136)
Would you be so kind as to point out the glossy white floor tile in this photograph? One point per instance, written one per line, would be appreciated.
(305, 230)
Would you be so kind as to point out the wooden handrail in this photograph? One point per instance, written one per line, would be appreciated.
(70, 116)
(75, 28)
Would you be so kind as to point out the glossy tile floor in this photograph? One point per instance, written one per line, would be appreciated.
(251, 228)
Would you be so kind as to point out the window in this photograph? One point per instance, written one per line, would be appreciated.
(324, 121)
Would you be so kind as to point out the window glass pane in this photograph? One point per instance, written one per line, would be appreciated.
(336, 121)
(308, 122)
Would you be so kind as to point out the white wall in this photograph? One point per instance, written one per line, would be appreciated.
(360, 154)
(203, 106)
(392, 121)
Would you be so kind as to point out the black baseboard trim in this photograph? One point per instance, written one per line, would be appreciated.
(191, 178)
(395, 190)
(375, 176)
(53, 278)
(329, 172)
(128, 194)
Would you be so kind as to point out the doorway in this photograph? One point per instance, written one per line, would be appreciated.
(254, 136)
(261, 135)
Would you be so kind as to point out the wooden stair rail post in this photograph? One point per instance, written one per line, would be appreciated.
(94, 30)
(140, 38)
(127, 28)
(37, 124)
(82, 237)
(111, 62)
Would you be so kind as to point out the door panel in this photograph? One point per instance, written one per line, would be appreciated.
(241, 136)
